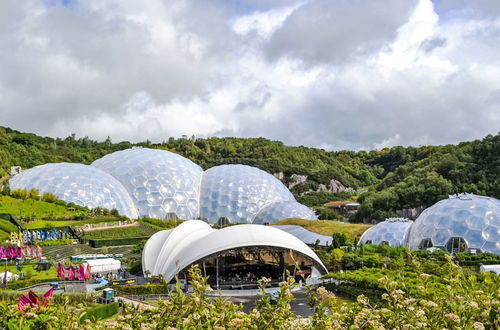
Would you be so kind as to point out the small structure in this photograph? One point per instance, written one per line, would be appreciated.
(344, 208)
(495, 269)
(14, 170)
(103, 265)
(10, 276)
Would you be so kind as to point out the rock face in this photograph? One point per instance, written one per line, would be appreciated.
(412, 213)
(279, 175)
(333, 187)
(296, 179)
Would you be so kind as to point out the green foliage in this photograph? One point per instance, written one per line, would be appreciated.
(320, 198)
(452, 300)
(30, 209)
(98, 243)
(141, 289)
(325, 213)
(397, 178)
(338, 240)
(160, 224)
(120, 232)
(100, 312)
(63, 241)
(328, 227)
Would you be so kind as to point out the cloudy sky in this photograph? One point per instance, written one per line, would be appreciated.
(335, 74)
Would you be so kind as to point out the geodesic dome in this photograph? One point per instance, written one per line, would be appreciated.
(278, 211)
(391, 231)
(160, 182)
(459, 223)
(238, 193)
(81, 184)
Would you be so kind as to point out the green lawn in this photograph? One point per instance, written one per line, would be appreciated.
(32, 272)
(328, 227)
(6, 227)
(35, 209)
(41, 224)
(121, 232)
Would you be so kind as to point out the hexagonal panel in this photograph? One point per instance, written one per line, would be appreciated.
(81, 184)
(475, 218)
(248, 187)
(392, 231)
(278, 211)
(158, 180)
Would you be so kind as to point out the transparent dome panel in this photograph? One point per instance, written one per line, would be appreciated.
(473, 218)
(158, 180)
(248, 187)
(80, 184)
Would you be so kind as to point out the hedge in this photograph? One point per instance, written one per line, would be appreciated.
(141, 289)
(19, 284)
(100, 312)
(97, 243)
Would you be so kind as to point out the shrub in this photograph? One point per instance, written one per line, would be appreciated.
(100, 312)
(97, 243)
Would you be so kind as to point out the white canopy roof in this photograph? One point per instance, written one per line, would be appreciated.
(103, 265)
(168, 252)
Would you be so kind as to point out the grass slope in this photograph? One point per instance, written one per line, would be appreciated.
(41, 224)
(34, 209)
(328, 227)
(121, 232)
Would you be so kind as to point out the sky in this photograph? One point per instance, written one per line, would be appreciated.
(332, 74)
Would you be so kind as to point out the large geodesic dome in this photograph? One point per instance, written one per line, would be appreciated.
(160, 182)
(238, 193)
(278, 211)
(462, 222)
(81, 184)
(391, 231)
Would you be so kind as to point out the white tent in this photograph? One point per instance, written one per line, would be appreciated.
(10, 276)
(169, 251)
(490, 268)
(103, 265)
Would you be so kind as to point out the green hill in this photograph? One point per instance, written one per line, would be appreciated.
(392, 178)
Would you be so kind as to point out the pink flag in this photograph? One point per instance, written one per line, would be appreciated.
(71, 273)
(87, 272)
(81, 272)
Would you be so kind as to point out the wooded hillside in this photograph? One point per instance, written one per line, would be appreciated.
(395, 178)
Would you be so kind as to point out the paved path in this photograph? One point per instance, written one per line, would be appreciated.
(134, 224)
(140, 305)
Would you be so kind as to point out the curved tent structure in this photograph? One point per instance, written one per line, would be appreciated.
(169, 252)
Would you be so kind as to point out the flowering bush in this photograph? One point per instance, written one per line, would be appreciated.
(468, 301)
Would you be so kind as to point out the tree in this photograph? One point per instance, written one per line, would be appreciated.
(338, 240)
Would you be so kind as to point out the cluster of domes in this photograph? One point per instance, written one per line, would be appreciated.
(142, 182)
(461, 223)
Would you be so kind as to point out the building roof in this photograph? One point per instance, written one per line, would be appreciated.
(340, 203)
(170, 251)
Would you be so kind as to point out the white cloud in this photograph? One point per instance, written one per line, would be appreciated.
(137, 71)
